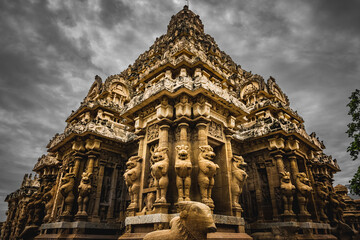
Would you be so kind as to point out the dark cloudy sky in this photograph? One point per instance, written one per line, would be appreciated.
(51, 51)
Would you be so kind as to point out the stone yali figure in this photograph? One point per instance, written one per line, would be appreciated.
(287, 191)
(183, 169)
(194, 222)
(67, 191)
(238, 178)
(132, 179)
(304, 191)
(159, 171)
(84, 192)
(206, 174)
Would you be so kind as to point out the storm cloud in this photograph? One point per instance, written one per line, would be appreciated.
(51, 51)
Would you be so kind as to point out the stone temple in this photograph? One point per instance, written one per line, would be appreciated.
(183, 123)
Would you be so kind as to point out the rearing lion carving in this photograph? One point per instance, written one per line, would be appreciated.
(67, 191)
(132, 179)
(304, 191)
(183, 169)
(287, 190)
(84, 192)
(159, 171)
(239, 177)
(206, 174)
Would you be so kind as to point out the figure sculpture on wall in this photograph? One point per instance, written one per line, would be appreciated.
(206, 174)
(194, 222)
(49, 199)
(323, 194)
(239, 177)
(183, 169)
(67, 191)
(132, 179)
(287, 191)
(304, 191)
(159, 171)
(84, 192)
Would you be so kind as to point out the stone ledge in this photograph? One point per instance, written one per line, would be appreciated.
(80, 225)
(305, 225)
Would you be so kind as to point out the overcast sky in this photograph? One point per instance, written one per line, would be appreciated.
(51, 51)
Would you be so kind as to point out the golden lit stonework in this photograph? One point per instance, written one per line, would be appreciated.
(185, 141)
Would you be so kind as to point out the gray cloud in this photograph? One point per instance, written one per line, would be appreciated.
(51, 51)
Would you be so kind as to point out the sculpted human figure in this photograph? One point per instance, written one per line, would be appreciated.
(194, 222)
(287, 191)
(206, 174)
(183, 169)
(238, 178)
(132, 179)
(84, 192)
(304, 190)
(159, 171)
(67, 191)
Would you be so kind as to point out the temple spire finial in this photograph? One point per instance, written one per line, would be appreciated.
(187, 3)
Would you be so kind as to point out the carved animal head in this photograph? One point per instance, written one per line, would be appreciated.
(182, 151)
(85, 177)
(207, 152)
(159, 154)
(285, 177)
(239, 162)
(196, 216)
(133, 162)
(303, 178)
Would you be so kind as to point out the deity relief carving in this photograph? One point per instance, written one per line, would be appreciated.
(183, 169)
(239, 177)
(132, 179)
(159, 171)
(287, 191)
(304, 191)
(206, 174)
(67, 191)
(84, 192)
(152, 132)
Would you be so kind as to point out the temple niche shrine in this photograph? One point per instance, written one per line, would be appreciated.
(183, 123)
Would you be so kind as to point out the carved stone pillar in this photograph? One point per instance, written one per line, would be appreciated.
(202, 134)
(95, 215)
(183, 133)
(293, 166)
(164, 136)
(279, 163)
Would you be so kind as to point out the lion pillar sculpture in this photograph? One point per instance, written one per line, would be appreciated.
(49, 198)
(287, 191)
(304, 191)
(238, 179)
(323, 194)
(194, 222)
(206, 174)
(159, 171)
(84, 192)
(132, 179)
(67, 191)
(183, 169)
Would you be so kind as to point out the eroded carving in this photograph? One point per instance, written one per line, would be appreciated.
(239, 177)
(84, 192)
(183, 169)
(304, 191)
(159, 171)
(206, 174)
(132, 179)
(287, 191)
(67, 191)
(194, 222)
